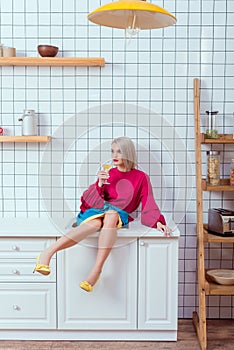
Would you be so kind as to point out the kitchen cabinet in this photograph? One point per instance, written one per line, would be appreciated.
(135, 298)
(137, 289)
(157, 284)
(112, 304)
(205, 285)
(28, 301)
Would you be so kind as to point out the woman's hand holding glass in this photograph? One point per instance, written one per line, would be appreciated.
(103, 176)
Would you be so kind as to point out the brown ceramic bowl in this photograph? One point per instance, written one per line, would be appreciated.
(47, 50)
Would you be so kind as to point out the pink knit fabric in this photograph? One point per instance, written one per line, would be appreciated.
(127, 190)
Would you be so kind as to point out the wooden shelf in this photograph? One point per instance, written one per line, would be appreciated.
(52, 61)
(212, 288)
(205, 285)
(211, 238)
(222, 139)
(25, 138)
(224, 186)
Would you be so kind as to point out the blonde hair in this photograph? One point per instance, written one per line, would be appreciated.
(128, 151)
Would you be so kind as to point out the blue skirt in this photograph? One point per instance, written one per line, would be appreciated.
(94, 213)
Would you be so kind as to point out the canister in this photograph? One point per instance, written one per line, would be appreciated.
(29, 125)
(213, 168)
(211, 130)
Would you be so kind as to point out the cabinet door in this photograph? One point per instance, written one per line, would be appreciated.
(112, 304)
(28, 306)
(158, 283)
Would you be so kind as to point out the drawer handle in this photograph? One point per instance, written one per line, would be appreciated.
(16, 307)
(15, 248)
(142, 243)
(15, 272)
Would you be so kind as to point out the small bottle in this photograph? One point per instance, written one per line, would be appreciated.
(211, 131)
(1, 50)
(232, 173)
(213, 168)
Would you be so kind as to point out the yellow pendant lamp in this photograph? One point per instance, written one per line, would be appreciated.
(133, 15)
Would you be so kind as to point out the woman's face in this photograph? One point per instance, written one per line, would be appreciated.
(117, 156)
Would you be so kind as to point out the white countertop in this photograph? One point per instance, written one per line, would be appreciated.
(43, 227)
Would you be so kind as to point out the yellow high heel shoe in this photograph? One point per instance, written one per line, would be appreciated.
(87, 286)
(43, 269)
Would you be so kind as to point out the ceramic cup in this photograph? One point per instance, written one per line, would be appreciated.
(9, 52)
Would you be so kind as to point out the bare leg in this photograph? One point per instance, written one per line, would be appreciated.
(106, 241)
(71, 238)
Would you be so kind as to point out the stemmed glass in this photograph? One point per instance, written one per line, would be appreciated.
(106, 166)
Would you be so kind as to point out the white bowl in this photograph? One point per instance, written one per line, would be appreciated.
(221, 276)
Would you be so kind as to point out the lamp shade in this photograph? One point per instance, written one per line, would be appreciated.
(120, 14)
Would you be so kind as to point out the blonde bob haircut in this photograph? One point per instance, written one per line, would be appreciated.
(128, 151)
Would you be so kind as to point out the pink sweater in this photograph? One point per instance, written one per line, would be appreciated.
(127, 190)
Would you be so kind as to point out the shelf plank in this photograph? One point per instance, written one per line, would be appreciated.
(224, 186)
(222, 139)
(53, 61)
(24, 138)
(211, 238)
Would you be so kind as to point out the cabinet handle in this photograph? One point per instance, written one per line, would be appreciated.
(15, 248)
(16, 307)
(15, 272)
(142, 243)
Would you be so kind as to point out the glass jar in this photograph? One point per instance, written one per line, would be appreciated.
(211, 131)
(232, 173)
(213, 168)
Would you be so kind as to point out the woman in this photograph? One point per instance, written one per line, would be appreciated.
(107, 207)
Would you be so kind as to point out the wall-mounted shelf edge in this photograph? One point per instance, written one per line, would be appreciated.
(53, 61)
(224, 186)
(222, 139)
(24, 139)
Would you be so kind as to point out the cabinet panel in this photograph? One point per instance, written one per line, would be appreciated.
(20, 270)
(26, 305)
(23, 247)
(158, 279)
(112, 304)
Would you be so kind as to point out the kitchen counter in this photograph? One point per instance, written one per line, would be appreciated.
(43, 227)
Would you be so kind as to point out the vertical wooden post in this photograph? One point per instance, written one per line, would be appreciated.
(199, 319)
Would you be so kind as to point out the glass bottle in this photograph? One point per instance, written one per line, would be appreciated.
(232, 173)
(213, 168)
(211, 131)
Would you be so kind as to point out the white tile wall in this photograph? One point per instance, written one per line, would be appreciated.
(145, 91)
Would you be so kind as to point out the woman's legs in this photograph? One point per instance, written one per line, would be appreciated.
(71, 238)
(106, 241)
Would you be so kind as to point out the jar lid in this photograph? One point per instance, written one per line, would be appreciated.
(28, 111)
(212, 112)
(213, 153)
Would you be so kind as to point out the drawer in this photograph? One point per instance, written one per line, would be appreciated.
(20, 270)
(28, 306)
(23, 247)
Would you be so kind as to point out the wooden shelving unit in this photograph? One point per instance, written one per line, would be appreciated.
(206, 286)
(53, 61)
(25, 138)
